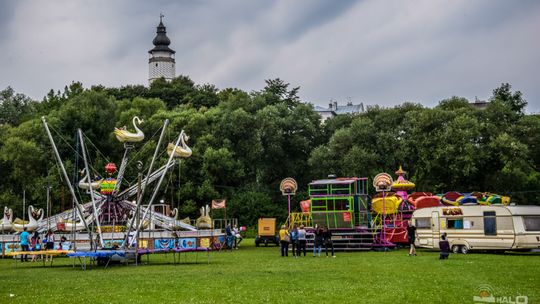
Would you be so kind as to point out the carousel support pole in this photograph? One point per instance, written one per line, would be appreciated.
(137, 211)
(66, 177)
(23, 206)
(89, 181)
(139, 199)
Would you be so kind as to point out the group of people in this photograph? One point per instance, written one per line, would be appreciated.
(296, 237)
(34, 243)
(234, 238)
(444, 245)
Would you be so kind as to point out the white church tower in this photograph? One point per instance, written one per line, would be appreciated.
(161, 62)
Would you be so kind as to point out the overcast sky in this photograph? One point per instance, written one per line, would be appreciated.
(375, 52)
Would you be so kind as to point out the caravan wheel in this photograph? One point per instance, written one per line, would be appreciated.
(456, 249)
(464, 249)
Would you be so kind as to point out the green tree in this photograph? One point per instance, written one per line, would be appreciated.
(15, 108)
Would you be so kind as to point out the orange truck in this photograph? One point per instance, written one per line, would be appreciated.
(266, 232)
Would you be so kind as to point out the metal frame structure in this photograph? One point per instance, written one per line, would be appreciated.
(121, 198)
(339, 203)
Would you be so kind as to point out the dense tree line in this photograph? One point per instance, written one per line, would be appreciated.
(244, 143)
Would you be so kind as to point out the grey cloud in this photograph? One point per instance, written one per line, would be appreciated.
(372, 51)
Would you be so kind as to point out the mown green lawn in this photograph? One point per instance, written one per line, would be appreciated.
(258, 274)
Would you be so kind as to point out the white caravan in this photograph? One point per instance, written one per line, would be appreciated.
(478, 227)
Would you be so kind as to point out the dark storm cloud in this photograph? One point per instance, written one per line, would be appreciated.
(377, 52)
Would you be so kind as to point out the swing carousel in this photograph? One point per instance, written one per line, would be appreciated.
(112, 216)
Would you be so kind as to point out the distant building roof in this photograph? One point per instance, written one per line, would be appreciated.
(479, 104)
(336, 109)
(321, 109)
(350, 109)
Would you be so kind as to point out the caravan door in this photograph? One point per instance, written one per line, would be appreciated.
(435, 228)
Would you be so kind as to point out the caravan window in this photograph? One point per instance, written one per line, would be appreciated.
(490, 223)
(532, 223)
(423, 223)
(455, 223)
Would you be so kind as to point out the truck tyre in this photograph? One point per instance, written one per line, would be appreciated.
(464, 249)
(456, 249)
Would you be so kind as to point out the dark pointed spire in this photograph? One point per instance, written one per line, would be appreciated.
(161, 41)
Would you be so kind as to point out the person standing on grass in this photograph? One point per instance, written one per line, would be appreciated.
(284, 239)
(37, 247)
(444, 245)
(294, 240)
(317, 244)
(25, 244)
(411, 236)
(230, 237)
(237, 236)
(301, 241)
(49, 244)
(33, 242)
(327, 239)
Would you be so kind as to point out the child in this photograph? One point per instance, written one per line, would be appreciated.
(237, 236)
(36, 247)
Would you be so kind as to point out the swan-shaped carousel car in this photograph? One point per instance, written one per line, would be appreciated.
(83, 183)
(32, 224)
(123, 135)
(204, 221)
(182, 150)
(74, 226)
(174, 214)
(5, 223)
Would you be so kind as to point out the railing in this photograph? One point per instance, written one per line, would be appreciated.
(299, 218)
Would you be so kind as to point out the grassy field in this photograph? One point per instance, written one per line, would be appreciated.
(255, 275)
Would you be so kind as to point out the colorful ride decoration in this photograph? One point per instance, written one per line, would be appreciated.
(454, 198)
(490, 198)
(288, 186)
(107, 186)
(110, 168)
(382, 182)
(390, 209)
(386, 203)
(305, 206)
(450, 198)
(401, 185)
(423, 200)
